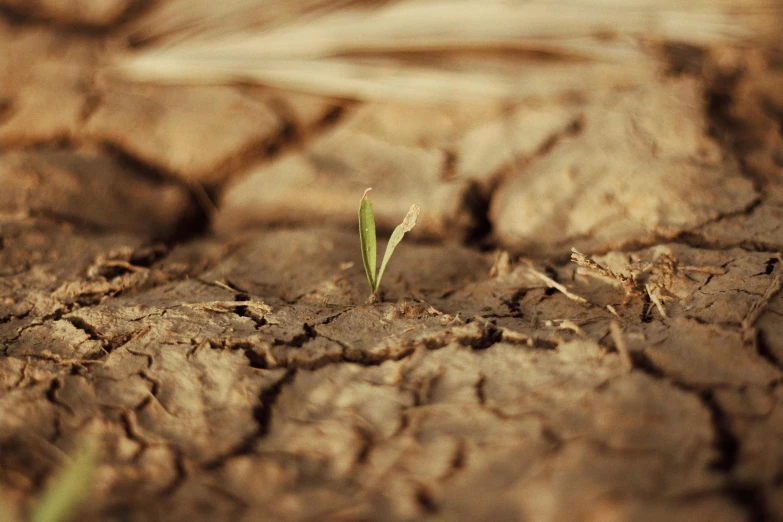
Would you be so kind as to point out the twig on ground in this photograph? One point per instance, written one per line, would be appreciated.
(619, 342)
(582, 260)
(656, 300)
(551, 283)
(759, 307)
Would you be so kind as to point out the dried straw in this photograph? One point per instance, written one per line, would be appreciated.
(435, 48)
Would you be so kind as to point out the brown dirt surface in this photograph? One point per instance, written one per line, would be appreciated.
(586, 324)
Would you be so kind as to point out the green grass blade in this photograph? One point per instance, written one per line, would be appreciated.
(69, 487)
(406, 226)
(367, 239)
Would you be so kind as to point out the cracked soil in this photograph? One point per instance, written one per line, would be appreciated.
(180, 274)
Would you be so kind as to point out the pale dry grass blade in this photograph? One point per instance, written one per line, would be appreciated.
(438, 24)
(363, 51)
(349, 79)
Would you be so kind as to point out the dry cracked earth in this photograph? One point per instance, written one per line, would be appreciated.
(180, 274)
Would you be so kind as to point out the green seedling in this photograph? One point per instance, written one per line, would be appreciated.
(69, 487)
(367, 241)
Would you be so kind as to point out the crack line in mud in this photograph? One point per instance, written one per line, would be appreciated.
(726, 442)
(367, 441)
(513, 302)
(458, 460)
(262, 413)
(245, 311)
(91, 332)
(754, 337)
(426, 500)
(764, 351)
(477, 197)
(180, 474)
(15, 317)
(154, 383)
(56, 385)
(297, 341)
(486, 336)
(290, 135)
(481, 395)
(750, 497)
(131, 429)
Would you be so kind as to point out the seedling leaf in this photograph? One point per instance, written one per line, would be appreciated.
(407, 224)
(69, 487)
(367, 239)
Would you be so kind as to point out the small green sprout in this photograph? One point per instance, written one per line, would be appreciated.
(67, 489)
(367, 240)
(70, 486)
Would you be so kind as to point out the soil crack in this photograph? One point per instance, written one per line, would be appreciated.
(749, 496)
(52, 395)
(262, 414)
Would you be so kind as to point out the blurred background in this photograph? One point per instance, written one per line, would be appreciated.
(536, 125)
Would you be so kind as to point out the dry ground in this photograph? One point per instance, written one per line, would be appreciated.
(226, 356)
